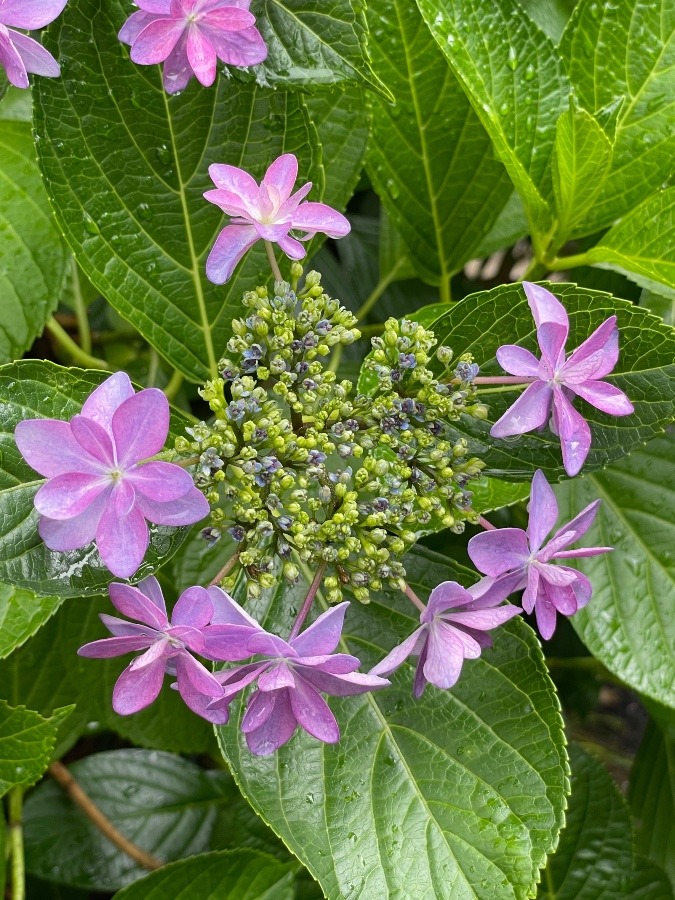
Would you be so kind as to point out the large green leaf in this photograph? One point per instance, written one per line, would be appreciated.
(459, 795)
(21, 614)
(233, 875)
(26, 743)
(430, 158)
(652, 798)
(33, 256)
(31, 389)
(628, 625)
(621, 62)
(483, 322)
(138, 223)
(514, 78)
(161, 802)
(642, 245)
(594, 859)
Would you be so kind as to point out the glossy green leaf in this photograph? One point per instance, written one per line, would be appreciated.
(39, 389)
(492, 493)
(459, 795)
(233, 875)
(138, 223)
(514, 78)
(33, 256)
(581, 160)
(26, 743)
(162, 803)
(642, 245)
(628, 625)
(664, 307)
(652, 798)
(430, 159)
(510, 226)
(22, 613)
(17, 105)
(483, 322)
(621, 58)
(312, 46)
(594, 859)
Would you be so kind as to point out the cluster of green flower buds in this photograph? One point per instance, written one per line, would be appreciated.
(299, 468)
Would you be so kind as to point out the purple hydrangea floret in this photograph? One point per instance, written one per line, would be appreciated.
(20, 54)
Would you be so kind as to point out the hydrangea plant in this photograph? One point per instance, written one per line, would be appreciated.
(265, 266)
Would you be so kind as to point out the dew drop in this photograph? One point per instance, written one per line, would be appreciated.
(512, 61)
(89, 224)
(144, 211)
(529, 72)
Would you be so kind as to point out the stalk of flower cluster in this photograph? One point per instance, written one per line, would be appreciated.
(412, 596)
(307, 603)
(227, 568)
(15, 843)
(276, 271)
(488, 526)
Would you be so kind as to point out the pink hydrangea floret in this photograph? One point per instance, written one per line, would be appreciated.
(20, 54)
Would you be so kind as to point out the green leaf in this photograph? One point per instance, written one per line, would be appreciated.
(652, 798)
(621, 57)
(162, 803)
(229, 875)
(430, 159)
(491, 493)
(31, 389)
(32, 255)
(459, 795)
(628, 625)
(663, 307)
(312, 46)
(3, 851)
(26, 743)
(642, 245)
(22, 613)
(582, 157)
(511, 225)
(594, 859)
(17, 106)
(514, 78)
(482, 322)
(138, 223)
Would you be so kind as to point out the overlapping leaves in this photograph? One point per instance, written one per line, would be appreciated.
(26, 743)
(457, 796)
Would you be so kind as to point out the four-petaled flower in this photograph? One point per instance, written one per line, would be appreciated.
(555, 379)
(508, 553)
(265, 212)
(98, 486)
(452, 629)
(168, 645)
(290, 683)
(190, 36)
(20, 54)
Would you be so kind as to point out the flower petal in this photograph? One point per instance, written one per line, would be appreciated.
(187, 510)
(227, 611)
(531, 593)
(227, 18)
(545, 307)
(201, 56)
(277, 730)
(140, 426)
(551, 338)
(258, 710)
(114, 646)
(281, 176)
(69, 495)
(161, 481)
(499, 551)
(518, 361)
(596, 357)
(575, 435)
(49, 447)
(152, 590)
(445, 656)
(446, 595)
(30, 14)
(203, 681)
(580, 523)
(347, 685)
(546, 617)
(122, 535)
(201, 703)
(605, 397)
(134, 604)
(10, 60)
(234, 181)
(275, 678)
(71, 534)
(102, 403)
(292, 248)
(177, 71)
(243, 48)
(156, 41)
(318, 217)
(94, 440)
(323, 635)
(530, 411)
(483, 619)
(227, 643)
(193, 608)
(271, 645)
(313, 713)
(413, 644)
(137, 688)
(133, 26)
(542, 509)
(230, 246)
(34, 56)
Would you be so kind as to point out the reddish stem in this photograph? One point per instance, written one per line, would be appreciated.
(307, 603)
(488, 526)
(229, 565)
(412, 596)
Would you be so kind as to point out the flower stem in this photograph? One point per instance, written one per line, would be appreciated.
(227, 568)
(174, 385)
(80, 308)
(378, 290)
(569, 262)
(412, 596)
(273, 261)
(307, 603)
(65, 780)
(73, 350)
(503, 379)
(488, 526)
(535, 270)
(15, 843)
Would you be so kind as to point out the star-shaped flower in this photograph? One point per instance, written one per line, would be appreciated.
(556, 378)
(20, 54)
(290, 683)
(508, 553)
(190, 36)
(265, 212)
(453, 628)
(99, 487)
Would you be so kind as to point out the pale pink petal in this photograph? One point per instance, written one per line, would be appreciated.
(177, 71)
(483, 619)
(226, 18)
(133, 26)
(575, 435)
(446, 595)
(314, 217)
(151, 588)
(114, 646)
(30, 14)
(231, 204)
(122, 628)
(34, 56)
(156, 41)
(276, 731)
(94, 440)
(605, 397)
(71, 534)
(272, 232)
(445, 656)
(49, 447)
(531, 592)
(323, 635)
(551, 338)
(411, 645)
(193, 607)
(289, 207)
(160, 481)
(583, 590)
(530, 411)
(230, 246)
(234, 181)
(281, 176)
(122, 535)
(188, 509)
(227, 611)
(546, 617)
(563, 598)
(188, 635)
(582, 552)
(203, 681)
(596, 357)
(518, 361)
(313, 713)
(11, 61)
(542, 509)
(499, 551)
(332, 664)
(158, 7)
(560, 576)
(140, 426)
(69, 495)
(135, 604)
(545, 307)
(243, 48)
(292, 248)
(137, 688)
(489, 592)
(201, 56)
(580, 523)
(347, 685)
(102, 403)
